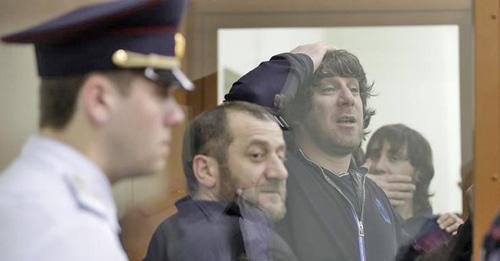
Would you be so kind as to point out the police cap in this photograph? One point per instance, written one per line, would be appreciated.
(126, 34)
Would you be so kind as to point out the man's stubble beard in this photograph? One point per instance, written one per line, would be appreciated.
(229, 192)
(228, 184)
(330, 142)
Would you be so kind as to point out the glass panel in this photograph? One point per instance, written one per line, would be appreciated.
(416, 74)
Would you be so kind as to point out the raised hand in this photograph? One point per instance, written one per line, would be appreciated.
(315, 50)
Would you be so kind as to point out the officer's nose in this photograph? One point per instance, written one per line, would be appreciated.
(173, 113)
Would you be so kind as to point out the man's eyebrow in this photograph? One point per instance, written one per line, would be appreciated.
(353, 80)
(264, 143)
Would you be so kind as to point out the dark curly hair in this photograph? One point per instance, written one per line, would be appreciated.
(335, 63)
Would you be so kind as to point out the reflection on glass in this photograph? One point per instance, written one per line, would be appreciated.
(416, 74)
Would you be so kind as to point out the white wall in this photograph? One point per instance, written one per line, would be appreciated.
(243, 49)
(416, 75)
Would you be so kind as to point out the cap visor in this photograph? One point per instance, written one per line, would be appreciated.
(169, 77)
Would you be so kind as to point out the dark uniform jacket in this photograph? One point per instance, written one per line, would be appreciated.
(323, 209)
(209, 230)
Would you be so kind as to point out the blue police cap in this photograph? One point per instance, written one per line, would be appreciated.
(126, 34)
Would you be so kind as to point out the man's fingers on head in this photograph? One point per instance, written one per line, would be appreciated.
(316, 51)
(324, 46)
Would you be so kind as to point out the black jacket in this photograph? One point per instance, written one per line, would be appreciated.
(320, 224)
(209, 230)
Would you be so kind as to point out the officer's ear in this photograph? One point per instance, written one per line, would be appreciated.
(206, 171)
(97, 98)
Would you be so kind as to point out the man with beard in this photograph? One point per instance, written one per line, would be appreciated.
(233, 161)
(333, 211)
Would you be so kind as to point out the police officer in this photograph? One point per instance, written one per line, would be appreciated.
(106, 112)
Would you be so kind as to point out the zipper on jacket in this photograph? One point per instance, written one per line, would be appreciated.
(357, 220)
(361, 237)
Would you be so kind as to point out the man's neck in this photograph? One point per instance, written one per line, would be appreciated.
(82, 141)
(206, 195)
(67, 138)
(333, 162)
